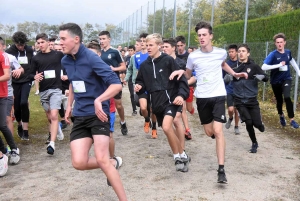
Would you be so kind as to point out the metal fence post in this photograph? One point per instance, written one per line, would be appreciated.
(267, 52)
(174, 20)
(212, 13)
(163, 19)
(246, 19)
(154, 17)
(297, 77)
(190, 21)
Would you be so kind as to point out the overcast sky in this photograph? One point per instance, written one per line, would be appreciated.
(78, 11)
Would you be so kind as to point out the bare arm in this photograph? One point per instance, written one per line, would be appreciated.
(229, 70)
(6, 75)
(122, 67)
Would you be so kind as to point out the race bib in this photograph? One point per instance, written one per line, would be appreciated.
(206, 78)
(23, 60)
(78, 86)
(61, 73)
(49, 74)
(283, 68)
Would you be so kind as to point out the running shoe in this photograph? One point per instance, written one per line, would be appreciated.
(146, 127)
(50, 149)
(236, 130)
(179, 164)
(118, 164)
(60, 134)
(213, 136)
(3, 165)
(228, 123)
(294, 124)
(222, 176)
(20, 131)
(124, 129)
(282, 120)
(154, 134)
(186, 162)
(14, 156)
(187, 134)
(253, 148)
(134, 113)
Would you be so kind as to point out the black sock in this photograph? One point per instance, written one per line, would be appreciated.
(231, 118)
(25, 132)
(63, 121)
(235, 126)
(147, 119)
(154, 125)
(221, 167)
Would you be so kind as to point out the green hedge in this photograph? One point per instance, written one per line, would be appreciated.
(261, 29)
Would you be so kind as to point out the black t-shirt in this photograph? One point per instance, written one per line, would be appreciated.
(112, 57)
(183, 56)
(50, 65)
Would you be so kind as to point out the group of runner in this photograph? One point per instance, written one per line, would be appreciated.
(161, 76)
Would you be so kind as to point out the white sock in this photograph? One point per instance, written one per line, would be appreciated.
(52, 144)
(123, 122)
(176, 156)
(183, 155)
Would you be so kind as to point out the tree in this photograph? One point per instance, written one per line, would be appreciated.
(26, 28)
(87, 30)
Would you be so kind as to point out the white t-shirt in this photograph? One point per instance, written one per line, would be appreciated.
(14, 64)
(208, 71)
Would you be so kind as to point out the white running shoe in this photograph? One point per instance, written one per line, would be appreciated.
(37, 92)
(119, 163)
(60, 134)
(3, 165)
(14, 156)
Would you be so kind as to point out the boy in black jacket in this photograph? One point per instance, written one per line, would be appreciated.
(245, 93)
(167, 96)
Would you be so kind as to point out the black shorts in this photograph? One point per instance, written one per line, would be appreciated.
(248, 110)
(170, 110)
(230, 100)
(210, 109)
(88, 126)
(144, 95)
(118, 96)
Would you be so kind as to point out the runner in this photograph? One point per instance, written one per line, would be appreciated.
(279, 62)
(93, 83)
(113, 58)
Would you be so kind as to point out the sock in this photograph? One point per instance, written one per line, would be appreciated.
(20, 126)
(236, 127)
(231, 118)
(123, 122)
(147, 119)
(176, 156)
(154, 125)
(183, 155)
(221, 167)
(52, 144)
(25, 132)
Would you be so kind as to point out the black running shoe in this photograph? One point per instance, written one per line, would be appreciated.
(124, 129)
(63, 124)
(20, 131)
(253, 148)
(25, 137)
(50, 150)
(213, 136)
(222, 176)
(48, 139)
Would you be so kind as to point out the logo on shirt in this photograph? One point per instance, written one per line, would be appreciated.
(222, 117)
(138, 56)
(160, 70)
(286, 85)
(279, 58)
(169, 112)
(109, 56)
(248, 70)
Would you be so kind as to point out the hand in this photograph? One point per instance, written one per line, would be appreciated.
(137, 88)
(178, 100)
(39, 77)
(227, 78)
(112, 68)
(243, 74)
(283, 63)
(67, 92)
(99, 111)
(64, 77)
(178, 73)
(124, 82)
(16, 73)
(68, 114)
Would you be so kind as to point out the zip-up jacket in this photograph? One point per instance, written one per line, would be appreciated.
(153, 76)
(247, 88)
(28, 52)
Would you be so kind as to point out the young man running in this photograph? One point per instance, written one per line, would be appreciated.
(47, 64)
(167, 96)
(245, 93)
(232, 61)
(279, 62)
(208, 62)
(113, 58)
(93, 83)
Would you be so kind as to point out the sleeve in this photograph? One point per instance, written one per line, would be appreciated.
(4, 61)
(189, 63)
(183, 87)
(103, 70)
(269, 59)
(259, 71)
(136, 63)
(140, 80)
(119, 57)
(33, 69)
(129, 69)
(15, 62)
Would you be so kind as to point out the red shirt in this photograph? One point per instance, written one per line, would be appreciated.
(4, 64)
(112, 105)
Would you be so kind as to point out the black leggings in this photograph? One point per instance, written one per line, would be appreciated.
(21, 94)
(285, 89)
(130, 87)
(3, 127)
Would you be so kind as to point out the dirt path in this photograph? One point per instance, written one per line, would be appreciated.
(148, 171)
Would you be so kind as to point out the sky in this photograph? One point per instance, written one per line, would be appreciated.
(77, 11)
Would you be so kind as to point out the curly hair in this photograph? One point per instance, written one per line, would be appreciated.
(19, 38)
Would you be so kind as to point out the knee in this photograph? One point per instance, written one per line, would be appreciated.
(79, 164)
(167, 128)
(118, 106)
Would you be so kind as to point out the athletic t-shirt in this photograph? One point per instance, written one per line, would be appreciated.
(139, 58)
(208, 72)
(112, 57)
(14, 64)
(229, 87)
(50, 65)
(183, 56)
(278, 75)
(4, 64)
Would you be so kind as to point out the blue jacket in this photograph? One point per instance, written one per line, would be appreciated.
(88, 67)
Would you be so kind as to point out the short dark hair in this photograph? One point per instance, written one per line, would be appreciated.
(143, 35)
(94, 45)
(180, 39)
(170, 41)
(138, 40)
(279, 35)
(52, 39)
(73, 29)
(94, 41)
(42, 36)
(233, 46)
(131, 47)
(203, 25)
(122, 50)
(20, 38)
(102, 33)
(245, 46)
